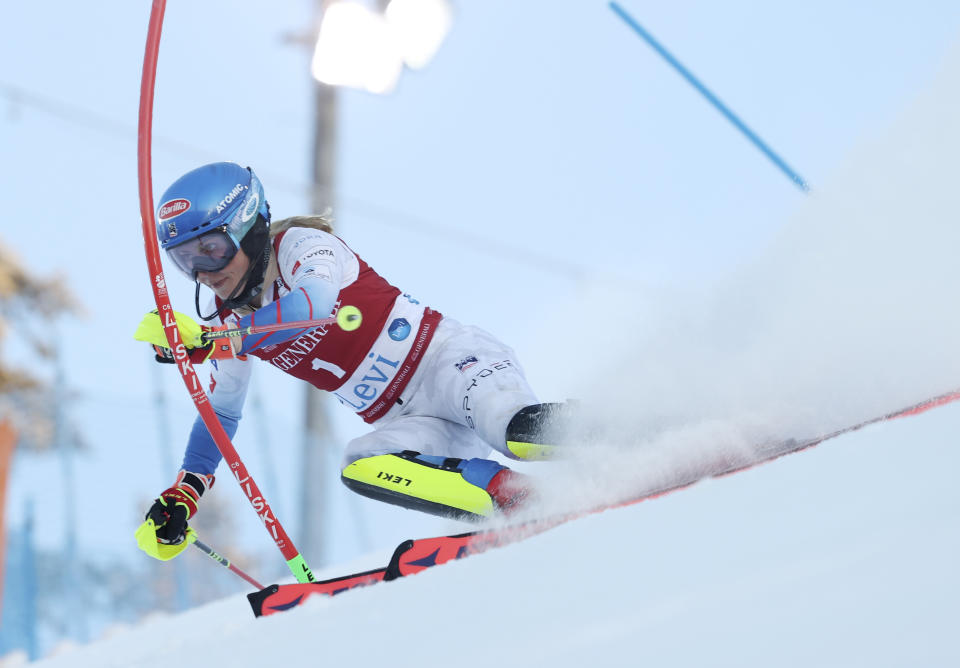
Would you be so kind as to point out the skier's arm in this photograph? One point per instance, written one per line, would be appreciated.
(312, 263)
(312, 299)
(164, 533)
(229, 380)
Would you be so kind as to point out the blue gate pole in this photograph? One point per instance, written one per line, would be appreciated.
(711, 98)
(29, 574)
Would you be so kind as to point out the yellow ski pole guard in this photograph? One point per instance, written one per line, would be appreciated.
(146, 536)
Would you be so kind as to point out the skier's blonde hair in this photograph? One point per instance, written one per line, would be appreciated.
(322, 222)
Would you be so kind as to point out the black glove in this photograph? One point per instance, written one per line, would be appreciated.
(176, 505)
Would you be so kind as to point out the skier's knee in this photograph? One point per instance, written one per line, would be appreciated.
(535, 431)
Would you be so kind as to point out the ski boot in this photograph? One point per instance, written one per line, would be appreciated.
(459, 488)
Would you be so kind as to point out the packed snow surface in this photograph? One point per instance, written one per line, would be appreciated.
(837, 556)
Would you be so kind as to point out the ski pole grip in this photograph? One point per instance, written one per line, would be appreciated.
(214, 334)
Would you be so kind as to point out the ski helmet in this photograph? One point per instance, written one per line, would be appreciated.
(204, 216)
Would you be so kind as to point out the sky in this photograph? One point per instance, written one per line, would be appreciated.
(547, 177)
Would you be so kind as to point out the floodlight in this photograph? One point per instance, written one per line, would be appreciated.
(356, 47)
(419, 26)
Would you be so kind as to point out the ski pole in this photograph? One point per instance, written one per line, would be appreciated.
(348, 318)
(223, 561)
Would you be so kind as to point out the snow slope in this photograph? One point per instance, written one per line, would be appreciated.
(843, 555)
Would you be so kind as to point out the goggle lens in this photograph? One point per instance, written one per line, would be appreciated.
(209, 252)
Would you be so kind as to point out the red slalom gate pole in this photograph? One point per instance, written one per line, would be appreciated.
(295, 561)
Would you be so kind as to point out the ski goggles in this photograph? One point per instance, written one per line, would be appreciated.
(209, 252)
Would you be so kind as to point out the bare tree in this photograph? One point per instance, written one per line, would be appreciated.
(29, 304)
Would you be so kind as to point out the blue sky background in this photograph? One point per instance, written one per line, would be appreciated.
(545, 162)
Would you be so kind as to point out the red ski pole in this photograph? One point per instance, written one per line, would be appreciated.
(295, 561)
(348, 318)
(223, 561)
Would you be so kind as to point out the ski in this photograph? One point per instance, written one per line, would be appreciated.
(414, 556)
(410, 557)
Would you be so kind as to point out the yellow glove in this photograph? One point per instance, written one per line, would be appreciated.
(151, 330)
(191, 333)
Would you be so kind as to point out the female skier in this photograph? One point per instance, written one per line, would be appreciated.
(440, 395)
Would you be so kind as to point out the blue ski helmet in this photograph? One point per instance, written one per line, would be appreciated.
(223, 198)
